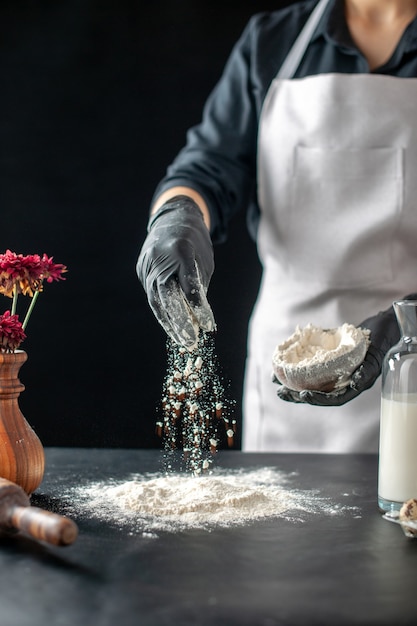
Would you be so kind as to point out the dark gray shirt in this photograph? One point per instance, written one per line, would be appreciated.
(219, 159)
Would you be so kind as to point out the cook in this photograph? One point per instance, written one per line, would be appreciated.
(312, 130)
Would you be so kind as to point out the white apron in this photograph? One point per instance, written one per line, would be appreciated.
(337, 189)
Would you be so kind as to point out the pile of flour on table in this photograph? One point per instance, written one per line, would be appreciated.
(223, 498)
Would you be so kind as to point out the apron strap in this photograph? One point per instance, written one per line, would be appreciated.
(293, 59)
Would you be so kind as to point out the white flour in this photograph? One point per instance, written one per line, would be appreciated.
(320, 359)
(195, 414)
(173, 502)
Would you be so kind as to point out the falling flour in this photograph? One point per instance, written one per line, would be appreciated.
(223, 498)
(196, 417)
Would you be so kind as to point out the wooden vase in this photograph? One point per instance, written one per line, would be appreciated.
(22, 457)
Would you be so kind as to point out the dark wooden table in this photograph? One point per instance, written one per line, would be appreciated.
(339, 570)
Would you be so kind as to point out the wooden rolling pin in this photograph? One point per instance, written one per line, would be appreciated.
(17, 513)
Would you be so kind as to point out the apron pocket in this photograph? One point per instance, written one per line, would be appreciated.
(346, 206)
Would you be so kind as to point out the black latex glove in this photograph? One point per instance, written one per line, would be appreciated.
(175, 266)
(384, 334)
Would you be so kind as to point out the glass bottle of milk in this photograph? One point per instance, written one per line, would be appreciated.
(397, 475)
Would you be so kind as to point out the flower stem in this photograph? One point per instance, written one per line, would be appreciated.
(30, 309)
(14, 302)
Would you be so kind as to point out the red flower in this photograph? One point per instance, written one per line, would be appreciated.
(21, 272)
(50, 270)
(11, 332)
(26, 273)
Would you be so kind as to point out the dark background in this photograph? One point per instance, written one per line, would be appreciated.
(95, 101)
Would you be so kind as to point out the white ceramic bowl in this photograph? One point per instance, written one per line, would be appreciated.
(320, 360)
